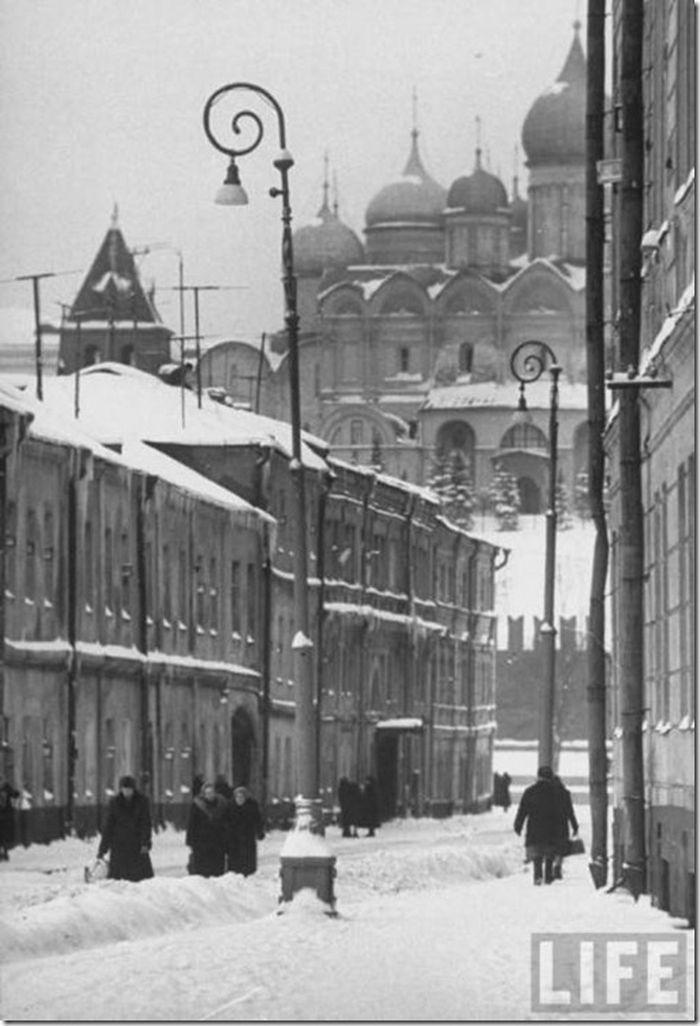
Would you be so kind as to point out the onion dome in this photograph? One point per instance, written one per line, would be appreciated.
(414, 198)
(326, 243)
(554, 129)
(478, 193)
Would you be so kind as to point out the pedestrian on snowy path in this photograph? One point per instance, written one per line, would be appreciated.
(370, 806)
(127, 834)
(541, 807)
(206, 833)
(568, 819)
(501, 790)
(245, 829)
(8, 795)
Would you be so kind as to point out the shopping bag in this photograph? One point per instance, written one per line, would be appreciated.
(97, 870)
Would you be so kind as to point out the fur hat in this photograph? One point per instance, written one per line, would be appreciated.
(127, 781)
(545, 773)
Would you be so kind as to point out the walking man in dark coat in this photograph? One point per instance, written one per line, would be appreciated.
(245, 829)
(127, 834)
(206, 832)
(541, 807)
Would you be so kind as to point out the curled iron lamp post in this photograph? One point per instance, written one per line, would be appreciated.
(305, 859)
(528, 363)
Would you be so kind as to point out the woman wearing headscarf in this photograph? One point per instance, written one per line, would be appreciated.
(206, 832)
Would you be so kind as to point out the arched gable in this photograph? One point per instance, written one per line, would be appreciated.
(400, 295)
(356, 426)
(467, 296)
(345, 299)
(538, 291)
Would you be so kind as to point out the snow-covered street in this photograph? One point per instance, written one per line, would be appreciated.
(435, 920)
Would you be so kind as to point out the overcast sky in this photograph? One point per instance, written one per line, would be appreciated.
(101, 102)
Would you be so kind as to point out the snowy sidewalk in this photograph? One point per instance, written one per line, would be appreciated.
(415, 938)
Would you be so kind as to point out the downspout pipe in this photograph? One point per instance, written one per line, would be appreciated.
(262, 465)
(326, 485)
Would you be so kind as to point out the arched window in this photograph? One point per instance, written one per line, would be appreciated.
(457, 435)
(466, 354)
(524, 436)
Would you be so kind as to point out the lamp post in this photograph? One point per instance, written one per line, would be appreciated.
(528, 362)
(306, 860)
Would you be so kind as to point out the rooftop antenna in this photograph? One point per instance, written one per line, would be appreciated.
(335, 193)
(477, 119)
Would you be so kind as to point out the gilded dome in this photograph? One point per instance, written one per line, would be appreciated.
(554, 129)
(478, 193)
(326, 243)
(414, 198)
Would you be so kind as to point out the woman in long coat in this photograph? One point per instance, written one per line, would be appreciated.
(206, 833)
(369, 816)
(127, 834)
(246, 828)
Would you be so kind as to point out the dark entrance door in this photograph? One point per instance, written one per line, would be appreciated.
(242, 741)
(387, 754)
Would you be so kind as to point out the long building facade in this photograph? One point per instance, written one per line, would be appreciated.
(668, 468)
(148, 615)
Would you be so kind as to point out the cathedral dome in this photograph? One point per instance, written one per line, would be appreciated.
(414, 198)
(554, 129)
(326, 243)
(478, 193)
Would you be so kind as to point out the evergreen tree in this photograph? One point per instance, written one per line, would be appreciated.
(451, 481)
(505, 499)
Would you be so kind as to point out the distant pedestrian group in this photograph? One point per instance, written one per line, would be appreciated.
(546, 810)
(223, 829)
(359, 806)
(501, 790)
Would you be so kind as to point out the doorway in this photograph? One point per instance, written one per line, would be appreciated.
(387, 759)
(242, 744)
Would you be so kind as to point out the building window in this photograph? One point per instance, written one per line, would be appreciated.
(236, 597)
(466, 354)
(213, 596)
(404, 359)
(32, 542)
(356, 432)
(524, 436)
(109, 570)
(89, 571)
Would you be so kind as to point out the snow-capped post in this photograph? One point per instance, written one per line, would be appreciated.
(306, 861)
(528, 362)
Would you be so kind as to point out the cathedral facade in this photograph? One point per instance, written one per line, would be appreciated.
(406, 338)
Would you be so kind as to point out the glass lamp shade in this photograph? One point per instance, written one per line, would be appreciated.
(231, 193)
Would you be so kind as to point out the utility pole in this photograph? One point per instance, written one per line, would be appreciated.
(35, 279)
(195, 290)
(631, 511)
(595, 359)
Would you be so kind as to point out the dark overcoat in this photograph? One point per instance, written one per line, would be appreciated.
(127, 838)
(7, 816)
(206, 835)
(245, 829)
(541, 808)
(369, 816)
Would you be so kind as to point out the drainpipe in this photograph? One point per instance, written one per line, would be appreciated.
(471, 620)
(326, 485)
(72, 629)
(146, 492)
(262, 463)
(365, 549)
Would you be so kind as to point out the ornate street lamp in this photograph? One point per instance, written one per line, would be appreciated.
(306, 860)
(528, 362)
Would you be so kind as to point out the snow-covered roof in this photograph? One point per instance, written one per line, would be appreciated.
(118, 402)
(497, 395)
(53, 426)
